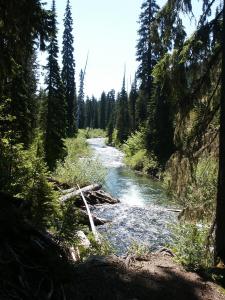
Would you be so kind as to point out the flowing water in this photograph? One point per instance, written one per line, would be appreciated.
(142, 217)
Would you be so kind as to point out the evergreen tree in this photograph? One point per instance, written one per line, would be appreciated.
(80, 103)
(102, 112)
(122, 123)
(110, 107)
(56, 107)
(68, 71)
(88, 113)
(95, 112)
(19, 34)
(132, 105)
(147, 56)
(110, 129)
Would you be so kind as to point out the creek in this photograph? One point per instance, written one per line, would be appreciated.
(142, 217)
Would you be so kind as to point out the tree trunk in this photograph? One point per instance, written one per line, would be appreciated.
(73, 192)
(220, 209)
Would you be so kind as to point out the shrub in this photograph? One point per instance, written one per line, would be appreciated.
(137, 157)
(25, 176)
(138, 249)
(191, 246)
(198, 197)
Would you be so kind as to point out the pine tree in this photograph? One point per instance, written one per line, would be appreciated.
(19, 36)
(132, 105)
(110, 107)
(122, 123)
(147, 56)
(80, 103)
(95, 112)
(56, 107)
(68, 72)
(88, 113)
(102, 112)
(17, 61)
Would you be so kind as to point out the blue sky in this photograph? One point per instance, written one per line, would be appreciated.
(107, 29)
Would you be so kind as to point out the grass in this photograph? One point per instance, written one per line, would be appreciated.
(79, 167)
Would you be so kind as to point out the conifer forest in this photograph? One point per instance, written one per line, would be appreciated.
(120, 196)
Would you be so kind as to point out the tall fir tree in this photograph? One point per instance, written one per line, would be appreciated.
(80, 103)
(19, 37)
(102, 112)
(68, 72)
(110, 106)
(56, 107)
(132, 100)
(122, 122)
(95, 112)
(147, 56)
(88, 113)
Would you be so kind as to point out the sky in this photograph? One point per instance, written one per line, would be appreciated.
(107, 30)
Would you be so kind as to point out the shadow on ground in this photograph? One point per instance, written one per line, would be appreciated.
(34, 266)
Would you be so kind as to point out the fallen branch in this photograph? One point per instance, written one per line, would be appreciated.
(174, 210)
(94, 230)
(71, 193)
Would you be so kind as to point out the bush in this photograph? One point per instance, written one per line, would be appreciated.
(138, 249)
(191, 246)
(199, 195)
(25, 176)
(137, 157)
(96, 248)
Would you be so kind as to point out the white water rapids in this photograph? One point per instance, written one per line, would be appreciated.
(141, 217)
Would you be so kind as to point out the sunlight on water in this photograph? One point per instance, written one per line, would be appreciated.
(132, 196)
(141, 216)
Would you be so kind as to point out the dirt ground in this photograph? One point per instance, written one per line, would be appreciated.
(153, 277)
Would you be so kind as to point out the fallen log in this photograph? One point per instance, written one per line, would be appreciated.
(76, 192)
(100, 197)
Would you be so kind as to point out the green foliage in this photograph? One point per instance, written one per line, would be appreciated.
(42, 200)
(96, 248)
(68, 72)
(198, 196)
(25, 176)
(102, 114)
(191, 246)
(110, 132)
(69, 224)
(89, 133)
(79, 167)
(138, 249)
(122, 119)
(80, 102)
(136, 156)
(56, 105)
(201, 194)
